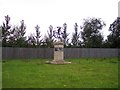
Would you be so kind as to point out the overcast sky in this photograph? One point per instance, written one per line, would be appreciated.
(57, 12)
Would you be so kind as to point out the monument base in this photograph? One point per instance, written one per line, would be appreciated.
(58, 62)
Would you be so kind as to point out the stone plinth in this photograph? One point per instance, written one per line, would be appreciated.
(58, 54)
(58, 51)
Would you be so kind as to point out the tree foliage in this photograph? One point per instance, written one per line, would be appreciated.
(49, 39)
(38, 35)
(114, 37)
(31, 40)
(6, 30)
(76, 37)
(17, 36)
(65, 35)
(91, 35)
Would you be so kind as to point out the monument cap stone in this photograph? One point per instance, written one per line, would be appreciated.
(58, 43)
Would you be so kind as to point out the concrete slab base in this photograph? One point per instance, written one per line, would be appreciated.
(57, 62)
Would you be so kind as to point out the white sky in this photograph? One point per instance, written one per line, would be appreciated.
(56, 12)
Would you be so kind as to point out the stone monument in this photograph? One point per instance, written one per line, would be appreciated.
(58, 49)
(58, 53)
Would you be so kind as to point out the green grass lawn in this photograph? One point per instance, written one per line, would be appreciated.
(82, 73)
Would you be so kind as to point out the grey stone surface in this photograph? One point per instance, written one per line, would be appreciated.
(59, 53)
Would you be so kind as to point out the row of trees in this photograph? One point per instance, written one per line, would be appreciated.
(89, 37)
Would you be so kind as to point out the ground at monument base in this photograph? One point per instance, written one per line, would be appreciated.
(57, 62)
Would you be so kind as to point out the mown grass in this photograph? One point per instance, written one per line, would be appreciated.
(82, 73)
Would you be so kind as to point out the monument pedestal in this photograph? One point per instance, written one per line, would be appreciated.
(59, 54)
